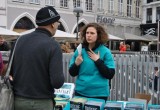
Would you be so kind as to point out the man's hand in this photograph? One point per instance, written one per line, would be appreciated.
(79, 60)
(93, 56)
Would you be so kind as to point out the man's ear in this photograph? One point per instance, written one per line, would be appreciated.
(52, 25)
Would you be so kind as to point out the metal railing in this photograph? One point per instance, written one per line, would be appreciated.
(132, 76)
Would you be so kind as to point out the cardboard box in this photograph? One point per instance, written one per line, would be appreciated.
(143, 96)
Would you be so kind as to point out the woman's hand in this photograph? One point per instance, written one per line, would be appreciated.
(93, 56)
(79, 60)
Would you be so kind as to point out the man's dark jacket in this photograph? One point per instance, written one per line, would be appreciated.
(37, 65)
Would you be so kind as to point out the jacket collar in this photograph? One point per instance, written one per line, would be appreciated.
(43, 30)
(94, 48)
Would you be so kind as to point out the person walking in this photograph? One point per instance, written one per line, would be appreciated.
(94, 65)
(156, 76)
(37, 67)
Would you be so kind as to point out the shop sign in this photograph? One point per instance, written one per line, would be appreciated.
(104, 19)
(150, 31)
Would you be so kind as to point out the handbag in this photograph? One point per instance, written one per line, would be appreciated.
(6, 92)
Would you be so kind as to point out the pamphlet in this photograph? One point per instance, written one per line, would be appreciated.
(153, 107)
(93, 105)
(65, 92)
(77, 103)
(113, 105)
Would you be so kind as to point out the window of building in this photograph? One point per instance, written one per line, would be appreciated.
(111, 6)
(149, 15)
(129, 7)
(77, 3)
(64, 3)
(24, 24)
(120, 7)
(35, 1)
(100, 5)
(49, 2)
(18, 0)
(158, 14)
(149, 1)
(137, 8)
(89, 5)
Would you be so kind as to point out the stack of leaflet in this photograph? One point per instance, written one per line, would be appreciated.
(63, 96)
(94, 104)
(77, 103)
(113, 105)
(62, 105)
(153, 107)
(134, 106)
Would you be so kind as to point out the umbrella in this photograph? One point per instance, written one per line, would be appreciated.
(7, 32)
(59, 34)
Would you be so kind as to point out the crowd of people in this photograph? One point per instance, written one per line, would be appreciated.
(68, 47)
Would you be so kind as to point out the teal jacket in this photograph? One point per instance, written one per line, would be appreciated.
(89, 81)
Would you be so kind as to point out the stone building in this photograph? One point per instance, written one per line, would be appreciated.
(117, 16)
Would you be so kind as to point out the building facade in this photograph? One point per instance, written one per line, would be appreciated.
(117, 16)
(3, 13)
(151, 15)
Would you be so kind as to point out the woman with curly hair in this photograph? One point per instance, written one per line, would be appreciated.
(94, 66)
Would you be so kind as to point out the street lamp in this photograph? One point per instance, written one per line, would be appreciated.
(77, 12)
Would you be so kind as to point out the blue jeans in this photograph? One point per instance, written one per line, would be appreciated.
(22, 103)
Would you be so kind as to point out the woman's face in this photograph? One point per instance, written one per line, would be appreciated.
(91, 35)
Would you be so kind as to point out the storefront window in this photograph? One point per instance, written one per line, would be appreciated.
(158, 14)
(149, 15)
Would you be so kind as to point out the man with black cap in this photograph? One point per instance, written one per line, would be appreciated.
(37, 67)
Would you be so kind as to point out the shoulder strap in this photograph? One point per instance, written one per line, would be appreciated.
(10, 63)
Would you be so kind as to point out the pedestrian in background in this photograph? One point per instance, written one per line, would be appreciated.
(156, 71)
(94, 66)
(122, 47)
(3, 44)
(37, 67)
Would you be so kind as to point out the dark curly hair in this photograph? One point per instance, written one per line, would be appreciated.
(102, 36)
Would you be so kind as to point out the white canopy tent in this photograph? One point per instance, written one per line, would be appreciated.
(8, 34)
(59, 34)
(112, 37)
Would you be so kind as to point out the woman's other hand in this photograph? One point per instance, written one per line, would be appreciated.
(79, 60)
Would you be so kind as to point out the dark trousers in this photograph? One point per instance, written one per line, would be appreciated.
(22, 103)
